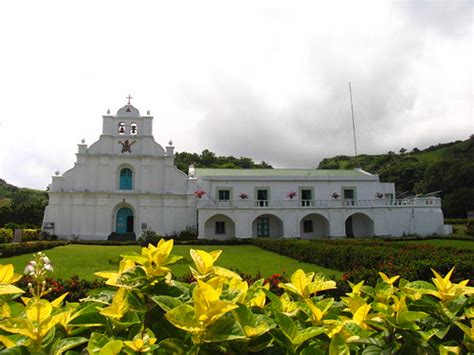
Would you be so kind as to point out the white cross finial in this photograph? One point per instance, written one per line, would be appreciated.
(129, 97)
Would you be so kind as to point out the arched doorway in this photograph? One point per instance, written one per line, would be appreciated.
(124, 220)
(314, 226)
(219, 227)
(267, 225)
(359, 225)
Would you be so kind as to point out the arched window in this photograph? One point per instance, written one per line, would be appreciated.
(121, 128)
(126, 176)
(133, 129)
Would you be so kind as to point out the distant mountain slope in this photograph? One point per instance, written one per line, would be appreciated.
(208, 159)
(448, 167)
(21, 205)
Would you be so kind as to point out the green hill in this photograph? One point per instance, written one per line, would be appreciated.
(446, 167)
(22, 206)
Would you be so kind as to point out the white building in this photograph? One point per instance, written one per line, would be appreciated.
(126, 182)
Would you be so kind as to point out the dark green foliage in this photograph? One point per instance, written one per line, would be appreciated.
(208, 159)
(470, 227)
(362, 259)
(13, 249)
(448, 168)
(455, 220)
(21, 206)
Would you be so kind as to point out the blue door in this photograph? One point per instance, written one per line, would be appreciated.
(125, 179)
(124, 223)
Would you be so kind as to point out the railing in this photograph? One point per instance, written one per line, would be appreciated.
(335, 203)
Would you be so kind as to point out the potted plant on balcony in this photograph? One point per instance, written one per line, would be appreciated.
(335, 195)
(199, 193)
(291, 194)
(243, 196)
(378, 195)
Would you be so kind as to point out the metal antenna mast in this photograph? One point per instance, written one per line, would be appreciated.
(353, 121)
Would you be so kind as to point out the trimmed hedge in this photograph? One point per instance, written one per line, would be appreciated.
(6, 235)
(13, 249)
(470, 227)
(455, 220)
(234, 241)
(363, 259)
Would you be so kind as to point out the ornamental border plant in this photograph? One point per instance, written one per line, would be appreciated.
(146, 310)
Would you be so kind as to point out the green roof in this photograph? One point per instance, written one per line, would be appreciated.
(279, 172)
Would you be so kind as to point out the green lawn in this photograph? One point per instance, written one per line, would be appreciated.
(84, 260)
(464, 244)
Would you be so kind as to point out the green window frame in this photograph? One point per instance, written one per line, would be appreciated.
(223, 195)
(306, 196)
(263, 227)
(262, 195)
(349, 195)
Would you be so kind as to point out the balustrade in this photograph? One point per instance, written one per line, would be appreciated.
(305, 204)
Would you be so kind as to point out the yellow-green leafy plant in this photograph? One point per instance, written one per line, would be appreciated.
(145, 310)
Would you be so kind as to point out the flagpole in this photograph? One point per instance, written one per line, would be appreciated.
(353, 121)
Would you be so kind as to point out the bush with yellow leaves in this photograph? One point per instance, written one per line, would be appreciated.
(146, 311)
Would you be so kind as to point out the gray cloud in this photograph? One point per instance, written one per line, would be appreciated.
(238, 121)
(447, 17)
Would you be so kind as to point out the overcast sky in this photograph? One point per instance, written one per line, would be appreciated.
(264, 79)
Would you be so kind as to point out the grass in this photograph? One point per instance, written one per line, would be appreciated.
(84, 260)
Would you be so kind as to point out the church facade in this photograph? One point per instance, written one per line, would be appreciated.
(126, 183)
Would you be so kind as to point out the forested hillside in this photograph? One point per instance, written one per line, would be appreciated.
(447, 167)
(21, 205)
(208, 159)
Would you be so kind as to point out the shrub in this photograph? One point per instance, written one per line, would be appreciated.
(6, 235)
(148, 236)
(14, 226)
(470, 227)
(190, 233)
(361, 257)
(14, 249)
(29, 235)
(455, 221)
(146, 311)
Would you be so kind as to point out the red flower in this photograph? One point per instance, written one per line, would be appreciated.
(199, 193)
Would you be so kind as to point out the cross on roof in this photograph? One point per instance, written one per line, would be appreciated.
(129, 97)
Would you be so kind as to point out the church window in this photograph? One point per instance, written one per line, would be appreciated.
(306, 197)
(224, 195)
(262, 197)
(125, 179)
(133, 129)
(220, 227)
(121, 128)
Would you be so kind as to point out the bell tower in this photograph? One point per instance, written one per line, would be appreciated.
(127, 123)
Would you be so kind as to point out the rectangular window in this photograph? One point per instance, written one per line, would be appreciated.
(306, 197)
(262, 197)
(223, 195)
(308, 226)
(348, 194)
(263, 227)
(220, 227)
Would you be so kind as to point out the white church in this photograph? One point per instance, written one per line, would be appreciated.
(126, 183)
